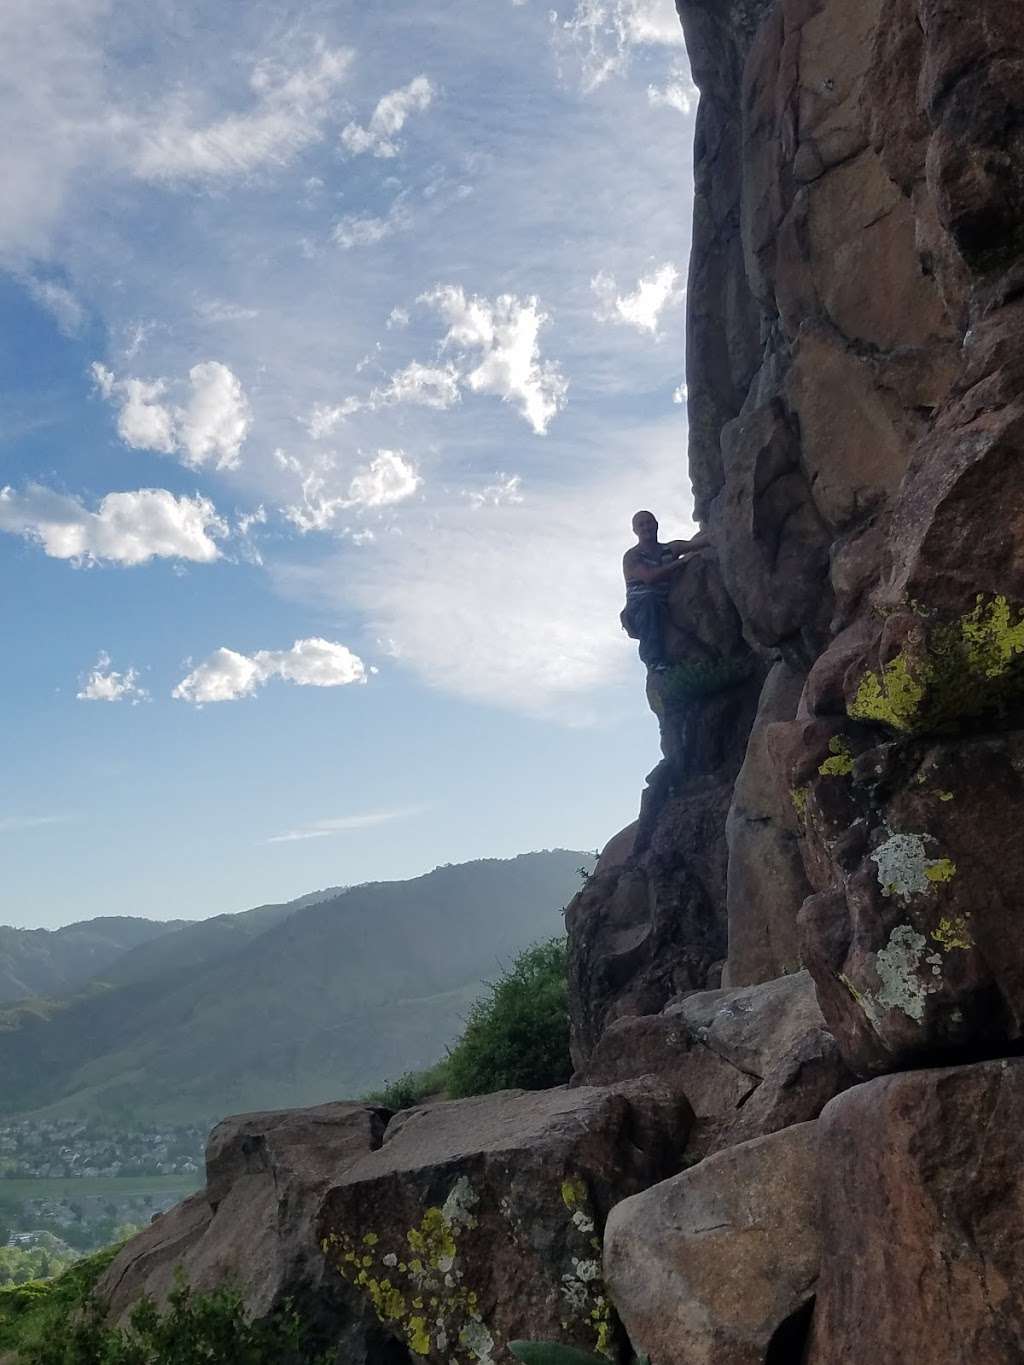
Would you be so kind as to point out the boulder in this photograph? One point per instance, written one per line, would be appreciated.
(749, 1060)
(712, 1266)
(479, 1221)
(922, 1199)
(253, 1227)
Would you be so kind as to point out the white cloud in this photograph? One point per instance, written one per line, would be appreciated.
(59, 302)
(103, 683)
(364, 229)
(389, 478)
(488, 603)
(227, 675)
(504, 334)
(344, 824)
(430, 386)
(680, 393)
(604, 32)
(291, 109)
(679, 93)
(644, 306)
(325, 416)
(398, 317)
(210, 428)
(505, 489)
(126, 528)
(219, 310)
(388, 118)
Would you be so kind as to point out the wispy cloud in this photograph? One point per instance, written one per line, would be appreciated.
(289, 110)
(14, 824)
(603, 34)
(344, 824)
(387, 479)
(388, 119)
(59, 301)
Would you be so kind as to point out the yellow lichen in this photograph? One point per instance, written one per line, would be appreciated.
(991, 638)
(433, 1239)
(574, 1192)
(944, 796)
(940, 870)
(418, 1336)
(953, 933)
(799, 797)
(892, 697)
(841, 762)
(370, 1240)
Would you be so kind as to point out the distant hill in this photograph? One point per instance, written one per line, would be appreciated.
(284, 1006)
(57, 961)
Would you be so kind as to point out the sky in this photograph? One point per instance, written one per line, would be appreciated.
(340, 342)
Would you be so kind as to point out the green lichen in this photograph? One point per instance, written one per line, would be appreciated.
(418, 1336)
(841, 762)
(433, 1240)
(574, 1192)
(952, 932)
(799, 797)
(944, 796)
(940, 870)
(959, 670)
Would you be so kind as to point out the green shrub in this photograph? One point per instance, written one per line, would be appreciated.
(518, 1035)
(703, 678)
(30, 1313)
(412, 1088)
(210, 1328)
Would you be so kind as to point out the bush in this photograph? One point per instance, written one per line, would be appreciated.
(39, 1311)
(412, 1088)
(518, 1035)
(703, 678)
(209, 1328)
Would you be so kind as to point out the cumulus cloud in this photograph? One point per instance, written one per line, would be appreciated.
(59, 302)
(643, 307)
(126, 528)
(497, 350)
(290, 110)
(210, 427)
(227, 675)
(389, 478)
(103, 683)
(603, 34)
(344, 824)
(388, 119)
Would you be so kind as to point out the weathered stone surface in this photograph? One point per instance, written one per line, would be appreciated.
(479, 1221)
(707, 1267)
(916, 951)
(253, 1227)
(766, 880)
(749, 1060)
(922, 1199)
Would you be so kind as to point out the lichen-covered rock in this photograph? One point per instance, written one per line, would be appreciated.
(254, 1227)
(479, 1221)
(922, 1198)
(708, 1267)
(916, 946)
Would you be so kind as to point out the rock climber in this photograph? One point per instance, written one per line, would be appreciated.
(648, 568)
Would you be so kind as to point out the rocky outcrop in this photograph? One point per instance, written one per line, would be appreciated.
(479, 1221)
(253, 1227)
(708, 1268)
(922, 1192)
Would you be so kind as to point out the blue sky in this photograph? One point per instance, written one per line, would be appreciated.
(341, 342)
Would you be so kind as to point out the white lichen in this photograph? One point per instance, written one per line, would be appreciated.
(461, 1201)
(897, 966)
(904, 868)
(478, 1341)
(582, 1221)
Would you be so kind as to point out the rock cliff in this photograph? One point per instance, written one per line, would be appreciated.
(797, 982)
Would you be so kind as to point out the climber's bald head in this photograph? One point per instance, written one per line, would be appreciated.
(645, 526)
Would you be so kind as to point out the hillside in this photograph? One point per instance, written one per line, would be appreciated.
(58, 961)
(328, 1000)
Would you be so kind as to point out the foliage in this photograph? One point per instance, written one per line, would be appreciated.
(703, 678)
(61, 1324)
(18, 1265)
(412, 1088)
(518, 1035)
(553, 1353)
(38, 1311)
